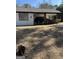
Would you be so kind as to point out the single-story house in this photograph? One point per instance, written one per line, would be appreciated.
(26, 16)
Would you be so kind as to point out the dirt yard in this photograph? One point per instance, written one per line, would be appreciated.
(42, 41)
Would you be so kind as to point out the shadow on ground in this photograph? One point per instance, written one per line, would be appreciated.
(46, 43)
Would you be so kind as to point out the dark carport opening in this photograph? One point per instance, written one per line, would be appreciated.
(44, 21)
(39, 20)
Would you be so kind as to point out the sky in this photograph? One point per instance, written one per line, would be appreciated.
(35, 3)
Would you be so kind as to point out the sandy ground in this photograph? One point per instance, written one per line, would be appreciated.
(42, 41)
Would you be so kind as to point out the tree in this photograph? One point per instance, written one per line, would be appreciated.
(46, 5)
(17, 5)
(27, 6)
(55, 6)
(60, 8)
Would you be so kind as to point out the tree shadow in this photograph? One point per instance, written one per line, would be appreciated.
(58, 34)
(42, 36)
(21, 34)
(38, 48)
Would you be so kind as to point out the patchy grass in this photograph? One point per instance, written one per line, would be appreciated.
(41, 42)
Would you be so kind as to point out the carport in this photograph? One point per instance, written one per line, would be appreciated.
(32, 11)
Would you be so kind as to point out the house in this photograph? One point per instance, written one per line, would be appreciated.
(26, 16)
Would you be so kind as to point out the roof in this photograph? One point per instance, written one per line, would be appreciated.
(36, 10)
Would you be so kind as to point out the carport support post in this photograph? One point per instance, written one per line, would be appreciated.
(45, 15)
(44, 18)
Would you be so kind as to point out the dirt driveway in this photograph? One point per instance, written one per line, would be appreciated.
(41, 42)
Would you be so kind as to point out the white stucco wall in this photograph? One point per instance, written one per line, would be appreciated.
(30, 21)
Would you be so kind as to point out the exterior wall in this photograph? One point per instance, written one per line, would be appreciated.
(47, 15)
(42, 15)
(30, 21)
(38, 15)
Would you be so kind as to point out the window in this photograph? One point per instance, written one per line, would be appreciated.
(23, 16)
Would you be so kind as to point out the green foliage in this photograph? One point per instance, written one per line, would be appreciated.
(46, 5)
(27, 6)
(60, 8)
(16, 5)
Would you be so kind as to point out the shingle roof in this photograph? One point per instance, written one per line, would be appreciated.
(20, 9)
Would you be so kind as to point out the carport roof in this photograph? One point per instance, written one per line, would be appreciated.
(36, 10)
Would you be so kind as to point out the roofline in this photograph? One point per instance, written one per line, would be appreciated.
(36, 10)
